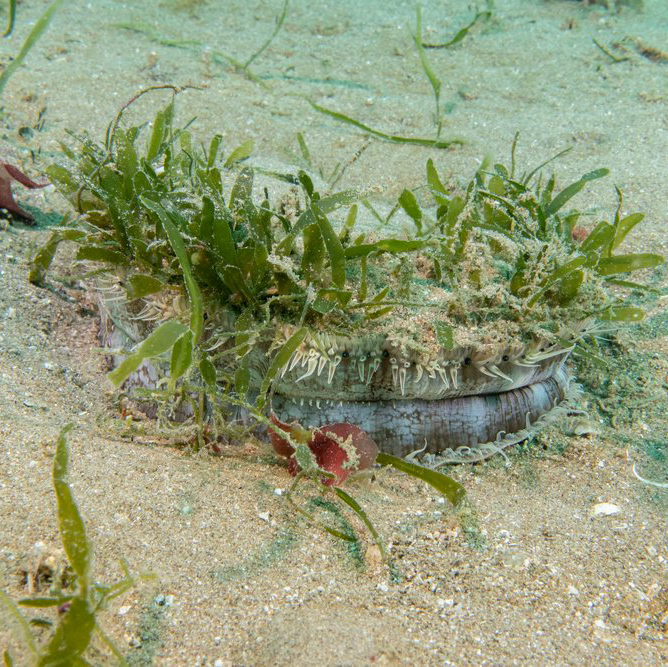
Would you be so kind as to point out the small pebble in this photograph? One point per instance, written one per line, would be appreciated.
(584, 427)
(164, 600)
(448, 602)
(605, 509)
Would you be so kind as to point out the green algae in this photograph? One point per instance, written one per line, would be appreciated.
(275, 551)
(158, 221)
(40, 26)
(77, 623)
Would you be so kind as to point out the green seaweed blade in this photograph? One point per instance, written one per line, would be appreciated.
(174, 235)
(41, 25)
(157, 343)
(280, 360)
(450, 488)
(337, 255)
(72, 636)
(72, 529)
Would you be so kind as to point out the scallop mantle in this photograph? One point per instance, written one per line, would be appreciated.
(450, 405)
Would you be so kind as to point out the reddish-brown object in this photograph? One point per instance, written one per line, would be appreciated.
(579, 234)
(331, 446)
(332, 456)
(281, 446)
(9, 173)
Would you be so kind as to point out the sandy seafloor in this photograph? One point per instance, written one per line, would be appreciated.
(523, 575)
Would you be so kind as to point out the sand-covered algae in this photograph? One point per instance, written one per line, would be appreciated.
(158, 222)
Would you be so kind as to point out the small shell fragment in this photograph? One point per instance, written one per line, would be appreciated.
(582, 427)
(605, 509)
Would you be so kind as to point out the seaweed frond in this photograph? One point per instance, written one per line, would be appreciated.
(77, 607)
